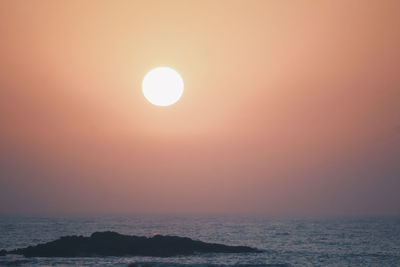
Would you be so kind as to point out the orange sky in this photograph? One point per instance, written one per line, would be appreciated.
(290, 107)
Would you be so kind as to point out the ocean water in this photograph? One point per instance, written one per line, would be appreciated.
(330, 241)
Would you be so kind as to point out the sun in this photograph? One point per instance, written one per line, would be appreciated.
(162, 86)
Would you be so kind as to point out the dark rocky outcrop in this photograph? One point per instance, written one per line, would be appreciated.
(115, 244)
(3, 252)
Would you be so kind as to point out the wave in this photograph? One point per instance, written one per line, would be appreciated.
(175, 264)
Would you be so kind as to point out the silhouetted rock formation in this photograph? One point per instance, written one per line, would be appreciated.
(3, 252)
(114, 244)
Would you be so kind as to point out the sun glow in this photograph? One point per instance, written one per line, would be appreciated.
(162, 86)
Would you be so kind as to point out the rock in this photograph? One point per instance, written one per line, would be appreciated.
(115, 244)
(3, 252)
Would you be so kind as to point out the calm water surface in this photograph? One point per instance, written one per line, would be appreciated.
(333, 241)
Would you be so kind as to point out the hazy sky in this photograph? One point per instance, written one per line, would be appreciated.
(290, 107)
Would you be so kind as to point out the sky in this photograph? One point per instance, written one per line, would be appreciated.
(289, 108)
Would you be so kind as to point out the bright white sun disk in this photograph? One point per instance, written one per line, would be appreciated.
(162, 86)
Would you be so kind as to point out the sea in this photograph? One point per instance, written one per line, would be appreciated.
(288, 241)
